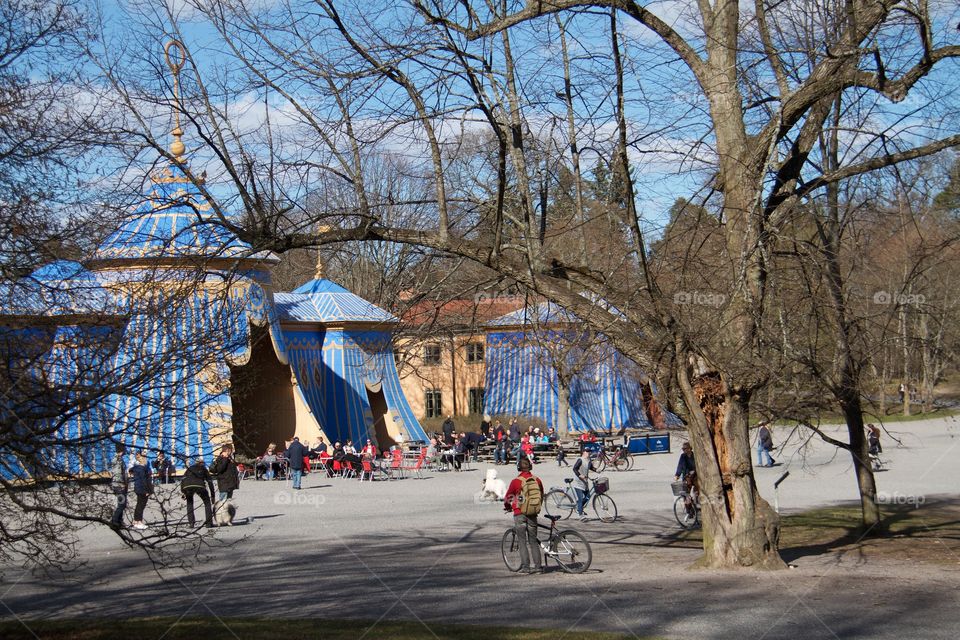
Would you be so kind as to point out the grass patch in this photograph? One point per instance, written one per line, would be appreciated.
(899, 417)
(928, 533)
(265, 629)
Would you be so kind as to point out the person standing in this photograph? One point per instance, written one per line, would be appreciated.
(118, 485)
(514, 430)
(142, 488)
(764, 445)
(448, 429)
(499, 435)
(224, 469)
(197, 481)
(873, 439)
(524, 499)
(581, 483)
(164, 468)
(485, 426)
(296, 452)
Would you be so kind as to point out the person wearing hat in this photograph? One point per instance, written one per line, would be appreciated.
(296, 452)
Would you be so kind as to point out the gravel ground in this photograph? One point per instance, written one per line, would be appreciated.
(427, 550)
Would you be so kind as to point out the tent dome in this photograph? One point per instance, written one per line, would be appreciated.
(321, 300)
(174, 222)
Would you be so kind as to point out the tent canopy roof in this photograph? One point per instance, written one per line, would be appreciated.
(321, 300)
(175, 221)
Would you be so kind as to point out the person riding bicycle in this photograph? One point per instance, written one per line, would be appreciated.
(687, 471)
(581, 484)
(524, 498)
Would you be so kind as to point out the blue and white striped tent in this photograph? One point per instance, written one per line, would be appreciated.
(165, 313)
(526, 349)
(340, 348)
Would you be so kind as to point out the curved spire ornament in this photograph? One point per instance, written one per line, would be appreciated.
(176, 56)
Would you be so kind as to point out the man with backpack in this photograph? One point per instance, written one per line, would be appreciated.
(525, 499)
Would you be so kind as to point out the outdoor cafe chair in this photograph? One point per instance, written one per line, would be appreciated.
(367, 469)
(396, 465)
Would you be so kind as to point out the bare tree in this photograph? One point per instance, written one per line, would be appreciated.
(352, 82)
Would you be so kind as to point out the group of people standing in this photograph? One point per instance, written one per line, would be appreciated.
(197, 482)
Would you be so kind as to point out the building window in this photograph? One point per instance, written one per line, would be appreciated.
(475, 400)
(433, 404)
(475, 352)
(431, 354)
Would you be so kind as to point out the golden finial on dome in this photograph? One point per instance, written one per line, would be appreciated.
(176, 56)
(319, 273)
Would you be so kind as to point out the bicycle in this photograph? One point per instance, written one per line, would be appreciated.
(621, 459)
(686, 512)
(569, 548)
(561, 501)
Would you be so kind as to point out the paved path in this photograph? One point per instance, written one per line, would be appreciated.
(425, 550)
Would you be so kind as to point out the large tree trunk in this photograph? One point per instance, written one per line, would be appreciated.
(853, 412)
(740, 529)
(563, 410)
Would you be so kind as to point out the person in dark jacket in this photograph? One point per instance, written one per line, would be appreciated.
(296, 452)
(473, 441)
(514, 430)
(448, 430)
(142, 487)
(319, 450)
(197, 481)
(687, 471)
(118, 484)
(224, 469)
(764, 445)
(164, 468)
(485, 427)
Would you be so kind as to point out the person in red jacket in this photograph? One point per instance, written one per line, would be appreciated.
(525, 522)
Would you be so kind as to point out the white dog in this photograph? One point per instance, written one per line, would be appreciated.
(224, 512)
(492, 487)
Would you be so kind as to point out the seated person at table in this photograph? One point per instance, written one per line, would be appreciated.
(318, 450)
(459, 452)
(268, 463)
(350, 458)
(433, 450)
(552, 435)
(369, 451)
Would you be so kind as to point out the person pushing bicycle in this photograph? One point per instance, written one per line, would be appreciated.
(525, 498)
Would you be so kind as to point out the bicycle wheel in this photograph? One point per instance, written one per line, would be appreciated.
(558, 503)
(573, 552)
(510, 549)
(605, 507)
(621, 463)
(629, 458)
(600, 464)
(686, 516)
